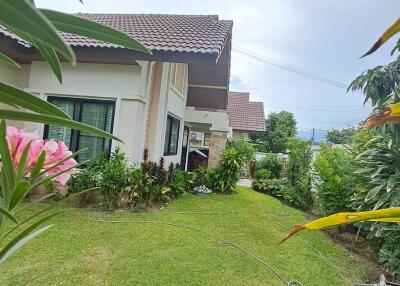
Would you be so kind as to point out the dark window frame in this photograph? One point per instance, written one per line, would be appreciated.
(77, 116)
(168, 138)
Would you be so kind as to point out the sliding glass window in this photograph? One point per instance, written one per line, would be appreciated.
(97, 113)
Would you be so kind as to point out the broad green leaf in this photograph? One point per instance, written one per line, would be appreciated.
(8, 215)
(79, 26)
(19, 193)
(54, 120)
(22, 18)
(38, 166)
(392, 181)
(7, 167)
(372, 193)
(14, 245)
(22, 162)
(7, 60)
(50, 56)
(14, 96)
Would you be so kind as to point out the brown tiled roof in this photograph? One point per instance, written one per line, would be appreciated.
(244, 114)
(182, 33)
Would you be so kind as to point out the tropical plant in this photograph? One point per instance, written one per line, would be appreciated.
(27, 163)
(272, 163)
(335, 181)
(279, 128)
(39, 28)
(378, 160)
(224, 178)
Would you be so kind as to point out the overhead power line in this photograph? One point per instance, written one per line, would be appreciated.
(266, 60)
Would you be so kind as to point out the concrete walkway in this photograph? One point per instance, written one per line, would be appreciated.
(244, 183)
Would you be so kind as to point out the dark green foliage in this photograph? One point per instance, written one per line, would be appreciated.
(182, 182)
(343, 136)
(272, 163)
(275, 187)
(119, 181)
(298, 173)
(280, 127)
(334, 169)
(262, 174)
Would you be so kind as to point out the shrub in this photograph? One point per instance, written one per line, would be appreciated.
(273, 187)
(114, 178)
(334, 169)
(298, 173)
(378, 186)
(224, 178)
(244, 148)
(272, 163)
(85, 179)
(262, 174)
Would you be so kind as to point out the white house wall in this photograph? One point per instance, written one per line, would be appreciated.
(124, 84)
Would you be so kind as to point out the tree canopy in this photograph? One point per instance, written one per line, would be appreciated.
(337, 136)
(280, 127)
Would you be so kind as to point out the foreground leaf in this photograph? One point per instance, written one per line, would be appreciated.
(80, 26)
(9, 61)
(387, 215)
(54, 120)
(19, 193)
(7, 165)
(390, 115)
(390, 32)
(8, 215)
(12, 95)
(10, 249)
(22, 18)
(51, 58)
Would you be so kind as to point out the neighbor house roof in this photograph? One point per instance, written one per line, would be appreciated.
(244, 114)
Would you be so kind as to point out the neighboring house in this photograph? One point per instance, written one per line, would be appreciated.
(149, 101)
(245, 116)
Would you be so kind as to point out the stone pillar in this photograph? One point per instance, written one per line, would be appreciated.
(218, 141)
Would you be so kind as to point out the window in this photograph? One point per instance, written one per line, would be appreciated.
(178, 77)
(171, 136)
(207, 137)
(97, 113)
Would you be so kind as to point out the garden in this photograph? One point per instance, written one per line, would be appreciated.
(152, 224)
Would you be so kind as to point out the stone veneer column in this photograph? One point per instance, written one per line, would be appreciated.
(218, 141)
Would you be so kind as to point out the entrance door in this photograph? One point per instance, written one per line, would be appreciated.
(184, 147)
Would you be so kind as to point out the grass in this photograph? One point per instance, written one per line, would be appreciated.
(80, 251)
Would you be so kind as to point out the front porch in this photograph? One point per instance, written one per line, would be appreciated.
(206, 138)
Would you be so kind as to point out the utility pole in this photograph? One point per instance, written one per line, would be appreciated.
(313, 136)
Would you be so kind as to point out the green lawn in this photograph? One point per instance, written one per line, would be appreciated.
(80, 251)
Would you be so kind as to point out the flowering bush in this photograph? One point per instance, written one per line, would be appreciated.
(56, 154)
(27, 162)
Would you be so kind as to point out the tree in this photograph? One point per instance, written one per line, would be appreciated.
(343, 136)
(280, 127)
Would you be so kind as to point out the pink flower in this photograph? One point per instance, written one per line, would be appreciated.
(55, 152)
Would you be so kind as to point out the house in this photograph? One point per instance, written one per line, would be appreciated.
(245, 116)
(149, 101)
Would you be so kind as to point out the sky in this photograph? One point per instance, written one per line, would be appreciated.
(323, 37)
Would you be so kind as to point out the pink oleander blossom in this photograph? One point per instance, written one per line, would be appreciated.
(55, 152)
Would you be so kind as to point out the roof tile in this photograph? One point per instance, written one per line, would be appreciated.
(244, 114)
(159, 32)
